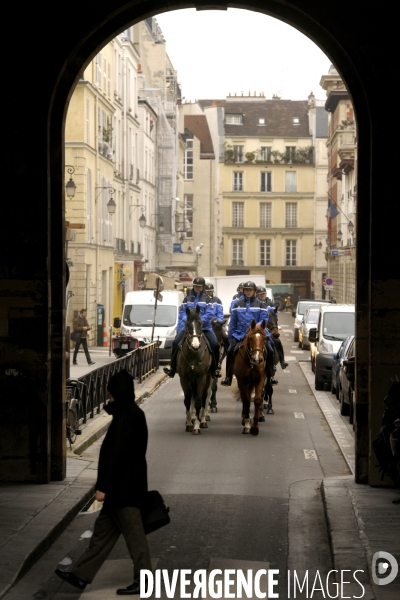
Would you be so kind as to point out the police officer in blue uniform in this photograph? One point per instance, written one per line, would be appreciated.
(244, 311)
(197, 297)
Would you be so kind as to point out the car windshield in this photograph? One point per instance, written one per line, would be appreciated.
(338, 325)
(302, 306)
(143, 314)
(312, 316)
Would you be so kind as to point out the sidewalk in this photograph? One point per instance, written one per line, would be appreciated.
(360, 520)
(32, 516)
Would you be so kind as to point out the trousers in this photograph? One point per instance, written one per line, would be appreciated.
(109, 525)
(82, 341)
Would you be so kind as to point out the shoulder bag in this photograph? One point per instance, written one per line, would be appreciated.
(154, 511)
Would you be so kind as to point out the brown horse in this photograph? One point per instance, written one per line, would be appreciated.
(218, 329)
(250, 372)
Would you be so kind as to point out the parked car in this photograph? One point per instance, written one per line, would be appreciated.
(346, 381)
(309, 320)
(335, 323)
(337, 361)
(298, 314)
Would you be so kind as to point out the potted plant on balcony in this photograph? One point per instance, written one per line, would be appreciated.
(229, 153)
(277, 154)
(250, 156)
(288, 156)
(308, 154)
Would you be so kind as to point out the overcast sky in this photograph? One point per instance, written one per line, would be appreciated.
(222, 52)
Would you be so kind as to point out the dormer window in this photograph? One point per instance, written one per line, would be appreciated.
(296, 121)
(261, 121)
(234, 119)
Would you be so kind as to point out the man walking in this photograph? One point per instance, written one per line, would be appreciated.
(121, 485)
(82, 326)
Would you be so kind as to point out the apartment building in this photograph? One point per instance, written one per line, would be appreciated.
(267, 188)
(342, 188)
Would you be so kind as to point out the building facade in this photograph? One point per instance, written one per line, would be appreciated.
(342, 189)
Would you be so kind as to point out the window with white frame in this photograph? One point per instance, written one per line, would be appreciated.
(291, 214)
(265, 153)
(188, 198)
(234, 119)
(291, 255)
(266, 181)
(237, 252)
(265, 253)
(238, 181)
(290, 152)
(265, 215)
(238, 153)
(188, 160)
(290, 181)
(237, 214)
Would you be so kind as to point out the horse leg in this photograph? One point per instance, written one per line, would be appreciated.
(213, 398)
(244, 393)
(257, 403)
(268, 391)
(189, 424)
(196, 407)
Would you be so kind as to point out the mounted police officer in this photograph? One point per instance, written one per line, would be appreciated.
(197, 297)
(262, 295)
(218, 310)
(238, 296)
(244, 311)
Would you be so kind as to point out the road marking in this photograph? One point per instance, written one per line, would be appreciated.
(299, 415)
(296, 351)
(310, 454)
(292, 391)
(296, 346)
(287, 358)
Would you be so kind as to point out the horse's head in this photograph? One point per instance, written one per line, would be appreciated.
(273, 322)
(218, 328)
(255, 342)
(194, 327)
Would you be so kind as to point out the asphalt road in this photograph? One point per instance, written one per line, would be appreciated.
(236, 501)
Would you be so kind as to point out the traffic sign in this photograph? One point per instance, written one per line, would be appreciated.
(329, 281)
(158, 296)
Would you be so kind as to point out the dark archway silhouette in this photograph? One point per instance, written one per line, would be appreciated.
(47, 54)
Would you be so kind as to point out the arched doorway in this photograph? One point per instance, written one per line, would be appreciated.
(33, 331)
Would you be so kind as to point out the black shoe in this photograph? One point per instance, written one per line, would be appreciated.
(91, 363)
(69, 577)
(274, 381)
(284, 364)
(75, 363)
(226, 381)
(217, 374)
(169, 371)
(129, 590)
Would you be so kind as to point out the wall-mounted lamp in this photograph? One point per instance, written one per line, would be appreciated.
(339, 236)
(318, 245)
(70, 187)
(161, 226)
(350, 224)
(111, 206)
(142, 219)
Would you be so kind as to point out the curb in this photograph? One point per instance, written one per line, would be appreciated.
(350, 551)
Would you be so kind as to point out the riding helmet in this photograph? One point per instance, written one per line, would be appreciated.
(261, 289)
(199, 281)
(249, 285)
(209, 287)
(239, 286)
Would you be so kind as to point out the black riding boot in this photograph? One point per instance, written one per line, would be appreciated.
(171, 370)
(227, 381)
(216, 367)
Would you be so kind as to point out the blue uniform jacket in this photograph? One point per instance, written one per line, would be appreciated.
(243, 312)
(206, 310)
(235, 298)
(218, 308)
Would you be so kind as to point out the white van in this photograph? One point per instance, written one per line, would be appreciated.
(138, 313)
(335, 323)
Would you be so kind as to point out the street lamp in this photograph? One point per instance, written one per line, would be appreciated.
(142, 219)
(318, 245)
(70, 187)
(111, 206)
(350, 224)
(339, 236)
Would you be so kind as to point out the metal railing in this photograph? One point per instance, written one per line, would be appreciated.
(140, 363)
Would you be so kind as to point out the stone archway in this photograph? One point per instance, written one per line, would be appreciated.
(34, 261)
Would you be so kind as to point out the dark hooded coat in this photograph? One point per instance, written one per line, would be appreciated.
(122, 470)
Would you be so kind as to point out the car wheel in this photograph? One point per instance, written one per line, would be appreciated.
(344, 408)
(312, 365)
(333, 387)
(296, 335)
(319, 384)
(337, 391)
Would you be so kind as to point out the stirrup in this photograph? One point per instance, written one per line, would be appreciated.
(169, 371)
(217, 373)
(226, 381)
(284, 364)
(274, 381)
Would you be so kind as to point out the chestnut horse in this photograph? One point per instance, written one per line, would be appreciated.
(250, 372)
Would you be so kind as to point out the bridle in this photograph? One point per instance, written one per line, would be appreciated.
(250, 351)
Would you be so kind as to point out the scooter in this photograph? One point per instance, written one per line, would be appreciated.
(123, 342)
